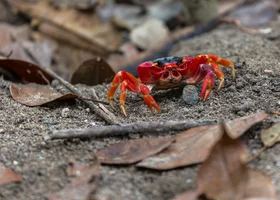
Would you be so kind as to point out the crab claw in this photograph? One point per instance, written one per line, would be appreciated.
(148, 99)
(208, 84)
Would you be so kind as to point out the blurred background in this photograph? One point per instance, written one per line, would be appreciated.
(63, 34)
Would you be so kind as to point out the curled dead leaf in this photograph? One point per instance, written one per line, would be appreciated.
(36, 95)
(192, 146)
(25, 71)
(223, 174)
(132, 151)
(92, 72)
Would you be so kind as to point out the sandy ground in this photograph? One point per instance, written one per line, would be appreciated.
(42, 164)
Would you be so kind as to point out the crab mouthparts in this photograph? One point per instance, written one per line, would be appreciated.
(170, 77)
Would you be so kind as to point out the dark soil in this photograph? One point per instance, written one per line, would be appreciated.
(42, 164)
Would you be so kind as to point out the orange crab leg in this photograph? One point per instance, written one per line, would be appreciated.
(218, 73)
(222, 61)
(149, 100)
(208, 85)
(128, 82)
(119, 77)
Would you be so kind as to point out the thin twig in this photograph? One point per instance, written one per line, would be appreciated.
(241, 27)
(124, 129)
(257, 154)
(108, 116)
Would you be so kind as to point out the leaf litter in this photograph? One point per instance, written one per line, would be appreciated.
(192, 146)
(132, 151)
(224, 174)
(37, 95)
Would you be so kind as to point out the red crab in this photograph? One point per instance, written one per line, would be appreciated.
(168, 72)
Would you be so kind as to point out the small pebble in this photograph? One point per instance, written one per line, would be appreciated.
(190, 95)
(15, 162)
(188, 181)
(88, 110)
(65, 112)
(277, 163)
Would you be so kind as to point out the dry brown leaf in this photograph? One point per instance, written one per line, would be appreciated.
(81, 187)
(8, 176)
(92, 72)
(85, 25)
(27, 72)
(259, 187)
(240, 125)
(36, 95)
(187, 196)
(271, 135)
(192, 146)
(223, 174)
(132, 151)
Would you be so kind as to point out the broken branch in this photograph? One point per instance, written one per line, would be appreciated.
(124, 129)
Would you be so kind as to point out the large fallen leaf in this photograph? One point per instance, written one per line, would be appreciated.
(36, 95)
(271, 135)
(92, 72)
(187, 196)
(83, 25)
(259, 187)
(81, 187)
(132, 151)
(224, 175)
(193, 146)
(27, 72)
(8, 176)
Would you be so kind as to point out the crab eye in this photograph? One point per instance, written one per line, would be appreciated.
(175, 73)
(165, 75)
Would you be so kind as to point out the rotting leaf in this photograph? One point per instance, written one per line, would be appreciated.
(192, 146)
(88, 27)
(132, 151)
(223, 174)
(271, 135)
(81, 187)
(187, 196)
(92, 72)
(8, 176)
(36, 95)
(240, 125)
(259, 187)
(27, 72)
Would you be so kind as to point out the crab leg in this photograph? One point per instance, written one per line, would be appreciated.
(221, 61)
(208, 84)
(129, 82)
(119, 77)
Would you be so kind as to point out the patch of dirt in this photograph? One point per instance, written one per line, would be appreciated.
(43, 164)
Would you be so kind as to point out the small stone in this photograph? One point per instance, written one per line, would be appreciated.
(149, 34)
(188, 181)
(190, 95)
(277, 163)
(65, 112)
(88, 110)
(15, 162)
